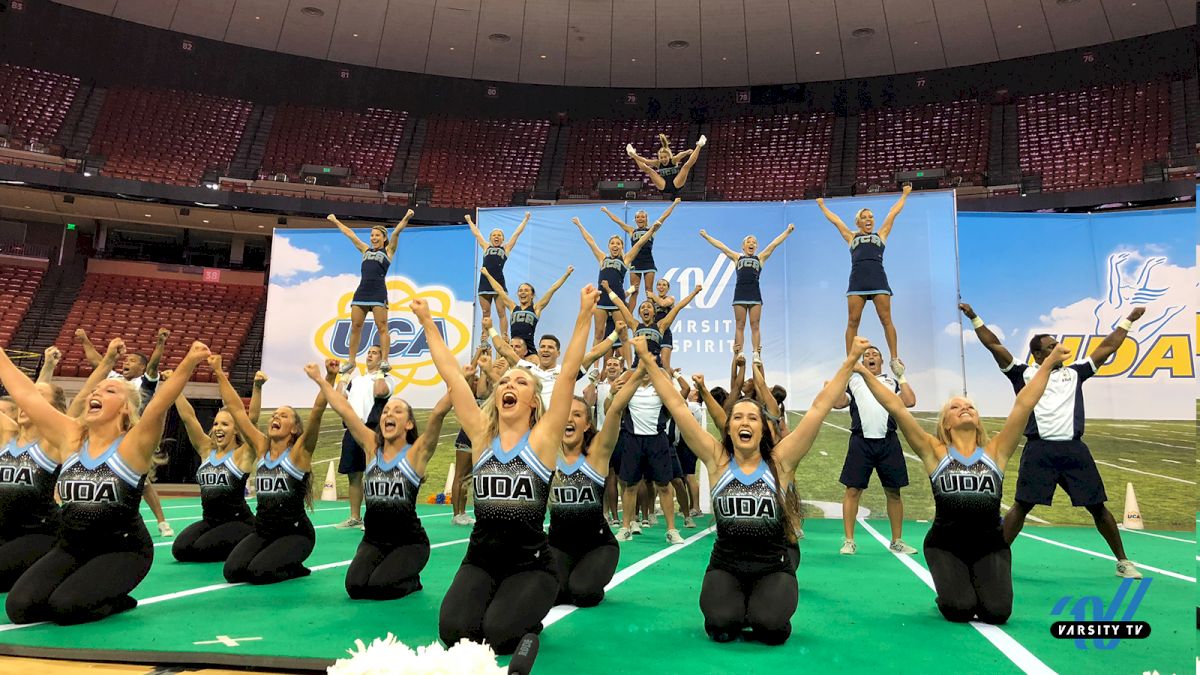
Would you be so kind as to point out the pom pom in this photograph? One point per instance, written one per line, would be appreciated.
(389, 656)
(441, 498)
(431, 499)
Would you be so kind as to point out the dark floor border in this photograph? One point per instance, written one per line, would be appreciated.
(289, 663)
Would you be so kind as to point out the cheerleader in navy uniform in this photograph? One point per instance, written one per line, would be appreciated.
(751, 577)
(585, 550)
(226, 462)
(664, 302)
(371, 293)
(283, 535)
(612, 271)
(868, 280)
(642, 266)
(747, 296)
(506, 583)
(649, 325)
(666, 171)
(103, 550)
(969, 559)
(495, 254)
(525, 315)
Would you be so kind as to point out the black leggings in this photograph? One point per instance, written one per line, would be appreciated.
(206, 541)
(764, 604)
(18, 554)
(386, 573)
(68, 588)
(498, 611)
(581, 579)
(982, 588)
(258, 560)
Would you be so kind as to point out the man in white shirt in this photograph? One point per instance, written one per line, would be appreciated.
(367, 392)
(874, 447)
(547, 370)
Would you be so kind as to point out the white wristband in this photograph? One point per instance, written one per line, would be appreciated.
(492, 332)
(901, 380)
(1125, 324)
(977, 322)
(614, 337)
(612, 296)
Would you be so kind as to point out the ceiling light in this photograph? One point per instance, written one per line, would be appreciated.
(724, 59)
(257, 18)
(205, 221)
(1020, 26)
(499, 37)
(354, 35)
(87, 174)
(541, 56)
(862, 32)
(679, 44)
(633, 60)
(452, 49)
(915, 42)
(147, 215)
(312, 11)
(260, 227)
(818, 53)
(1068, 2)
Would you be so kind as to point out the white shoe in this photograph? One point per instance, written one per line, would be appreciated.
(899, 546)
(347, 367)
(385, 367)
(702, 141)
(349, 523)
(897, 367)
(673, 537)
(459, 519)
(799, 533)
(848, 547)
(615, 522)
(635, 528)
(164, 528)
(689, 522)
(696, 513)
(624, 534)
(1127, 570)
(653, 519)
(629, 150)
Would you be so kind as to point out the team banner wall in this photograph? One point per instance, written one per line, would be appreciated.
(313, 277)
(803, 283)
(1074, 277)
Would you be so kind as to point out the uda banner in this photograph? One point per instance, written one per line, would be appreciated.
(313, 277)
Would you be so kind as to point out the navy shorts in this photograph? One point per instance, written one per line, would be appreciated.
(462, 442)
(1046, 464)
(676, 467)
(614, 460)
(354, 459)
(645, 457)
(687, 458)
(882, 455)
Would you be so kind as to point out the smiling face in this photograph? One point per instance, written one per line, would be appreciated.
(223, 434)
(133, 367)
(111, 400)
(612, 368)
(516, 394)
(663, 287)
(664, 156)
(496, 238)
(616, 248)
(873, 360)
(865, 221)
(745, 427)
(577, 425)
(641, 220)
(750, 245)
(378, 237)
(283, 424)
(547, 353)
(646, 312)
(525, 294)
(519, 346)
(396, 420)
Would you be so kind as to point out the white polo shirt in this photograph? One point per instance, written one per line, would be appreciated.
(360, 391)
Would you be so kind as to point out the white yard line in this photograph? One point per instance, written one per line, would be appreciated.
(1159, 536)
(1108, 557)
(1146, 473)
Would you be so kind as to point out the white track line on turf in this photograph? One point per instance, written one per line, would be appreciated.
(213, 587)
(1142, 440)
(1171, 461)
(1015, 651)
(1159, 536)
(1105, 556)
(322, 527)
(560, 612)
(1131, 461)
(1146, 473)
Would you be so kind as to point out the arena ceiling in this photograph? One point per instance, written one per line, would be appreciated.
(657, 43)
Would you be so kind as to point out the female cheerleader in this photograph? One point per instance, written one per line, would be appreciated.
(525, 315)
(394, 546)
(663, 303)
(655, 329)
(506, 583)
(612, 270)
(868, 280)
(226, 461)
(666, 173)
(969, 560)
(495, 254)
(642, 265)
(585, 551)
(371, 293)
(103, 550)
(751, 577)
(283, 535)
(747, 296)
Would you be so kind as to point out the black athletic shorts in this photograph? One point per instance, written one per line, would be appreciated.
(1045, 464)
(354, 459)
(645, 457)
(676, 467)
(687, 458)
(883, 455)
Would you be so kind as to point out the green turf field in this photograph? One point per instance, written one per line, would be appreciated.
(869, 612)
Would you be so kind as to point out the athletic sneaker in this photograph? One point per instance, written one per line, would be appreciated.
(462, 519)
(164, 528)
(629, 149)
(899, 546)
(653, 520)
(897, 367)
(1126, 569)
(673, 537)
(696, 513)
(350, 523)
(635, 528)
(385, 367)
(848, 547)
(615, 522)
(624, 534)
(689, 522)
(799, 533)
(703, 139)
(346, 367)
(646, 522)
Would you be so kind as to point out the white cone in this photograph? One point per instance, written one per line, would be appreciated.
(449, 481)
(1133, 515)
(329, 491)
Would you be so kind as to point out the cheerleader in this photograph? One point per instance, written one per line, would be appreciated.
(495, 255)
(747, 296)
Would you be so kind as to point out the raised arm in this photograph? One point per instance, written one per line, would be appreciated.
(512, 241)
(427, 442)
(832, 217)
(187, 414)
(697, 437)
(394, 240)
(620, 223)
(160, 344)
(1110, 344)
(605, 439)
(362, 434)
(312, 428)
(546, 297)
(1005, 442)
(142, 440)
(685, 389)
(719, 246)
(759, 378)
(500, 292)
(598, 352)
(669, 319)
(620, 303)
(475, 231)
(241, 421)
(895, 211)
(89, 350)
(987, 338)
(633, 251)
(447, 366)
(587, 237)
(358, 243)
(766, 252)
(715, 412)
(50, 361)
(260, 378)
(921, 441)
(115, 352)
(60, 430)
(793, 447)
(736, 379)
(503, 348)
(667, 214)
(546, 436)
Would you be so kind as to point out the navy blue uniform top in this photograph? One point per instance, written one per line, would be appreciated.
(281, 488)
(577, 522)
(223, 489)
(375, 264)
(866, 249)
(751, 536)
(511, 491)
(101, 497)
(653, 337)
(644, 260)
(494, 258)
(1058, 415)
(612, 270)
(390, 490)
(748, 268)
(27, 478)
(966, 497)
(523, 323)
